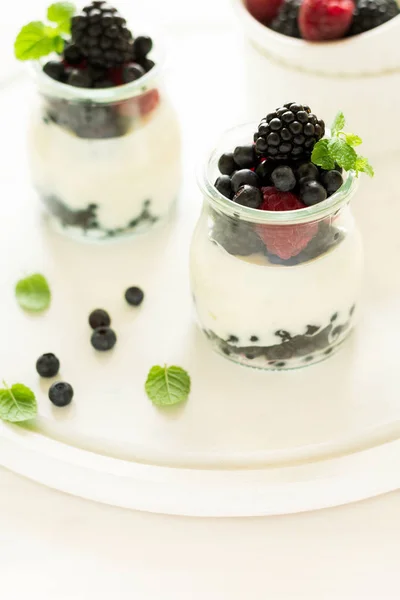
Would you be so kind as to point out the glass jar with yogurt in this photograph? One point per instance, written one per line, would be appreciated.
(105, 162)
(259, 302)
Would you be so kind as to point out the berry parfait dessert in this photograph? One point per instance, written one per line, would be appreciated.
(276, 257)
(101, 123)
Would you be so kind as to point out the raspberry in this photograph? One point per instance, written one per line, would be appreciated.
(284, 241)
(325, 19)
(263, 10)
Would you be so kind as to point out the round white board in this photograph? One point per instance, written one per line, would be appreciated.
(246, 442)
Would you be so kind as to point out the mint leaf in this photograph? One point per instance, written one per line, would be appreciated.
(17, 403)
(33, 293)
(342, 153)
(362, 165)
(166, 386)
(352, 140)
(34, 41)
(338, 123)
(321, 155)
(61, 13)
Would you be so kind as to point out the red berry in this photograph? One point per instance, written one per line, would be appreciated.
(263, 10)
(149, 101)
(284, 241)
(325, 19)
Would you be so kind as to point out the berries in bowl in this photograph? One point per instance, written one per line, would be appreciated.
(315, 48)
(94, 134)
(276, 258)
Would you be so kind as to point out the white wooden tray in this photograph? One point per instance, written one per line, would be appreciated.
(246, 442)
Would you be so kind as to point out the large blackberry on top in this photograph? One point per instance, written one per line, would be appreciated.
(368, 14)
(289, 133)
(100, 33)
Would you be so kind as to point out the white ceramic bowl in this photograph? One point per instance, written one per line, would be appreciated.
(374, 52)
(359, 75)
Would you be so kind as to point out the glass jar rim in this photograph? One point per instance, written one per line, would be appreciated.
(57, 89)
(254, 215)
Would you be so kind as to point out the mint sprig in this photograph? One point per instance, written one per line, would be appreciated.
(36, 39)
(166, 386)
(17, 403)
(339, 149)
(33, 293)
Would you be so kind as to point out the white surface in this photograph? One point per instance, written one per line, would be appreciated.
(56, 546)
(235, 418)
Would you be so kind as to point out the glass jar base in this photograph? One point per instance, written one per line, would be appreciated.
(87, 229)
(256, 357)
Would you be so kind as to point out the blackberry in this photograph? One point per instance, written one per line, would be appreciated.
(286, 21)
(289, 133)
(369, 14)
(100, 33)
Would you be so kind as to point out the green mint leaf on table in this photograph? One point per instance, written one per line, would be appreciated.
(166, 386)
(339, 149)
(61, 13)
(17, 404)
(338, 123)
(33, 293)
(321, 156)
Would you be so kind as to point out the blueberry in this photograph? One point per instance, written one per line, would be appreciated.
(264, 171)
(73, 55)
(283, 178)
(99, 318)
(47, 365)
(147, 64)
(79, 78)
(142, 46)
(226, 164)
(248, 196)
(244, 156)
(61, 393)
(307, 170)
(134, 296)
(224, 186)
(103, 339)
(332, 181)
(132, 72)
(244, 177)
(312, 192)
(55, 70)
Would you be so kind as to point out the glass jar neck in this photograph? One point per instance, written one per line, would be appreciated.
(54, 89)
(209, 172)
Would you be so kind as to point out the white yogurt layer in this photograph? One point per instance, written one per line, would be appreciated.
(248, 296)
(117, 174)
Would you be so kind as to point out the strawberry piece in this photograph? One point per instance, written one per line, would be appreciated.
(284, 241)
(264, 10)
(321, 20)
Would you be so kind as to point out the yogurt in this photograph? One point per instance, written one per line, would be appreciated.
(273, 316)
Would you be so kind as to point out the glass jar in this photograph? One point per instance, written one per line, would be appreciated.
(105, 162)
(274, 290)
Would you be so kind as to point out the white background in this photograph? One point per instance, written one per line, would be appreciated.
(56, 547)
